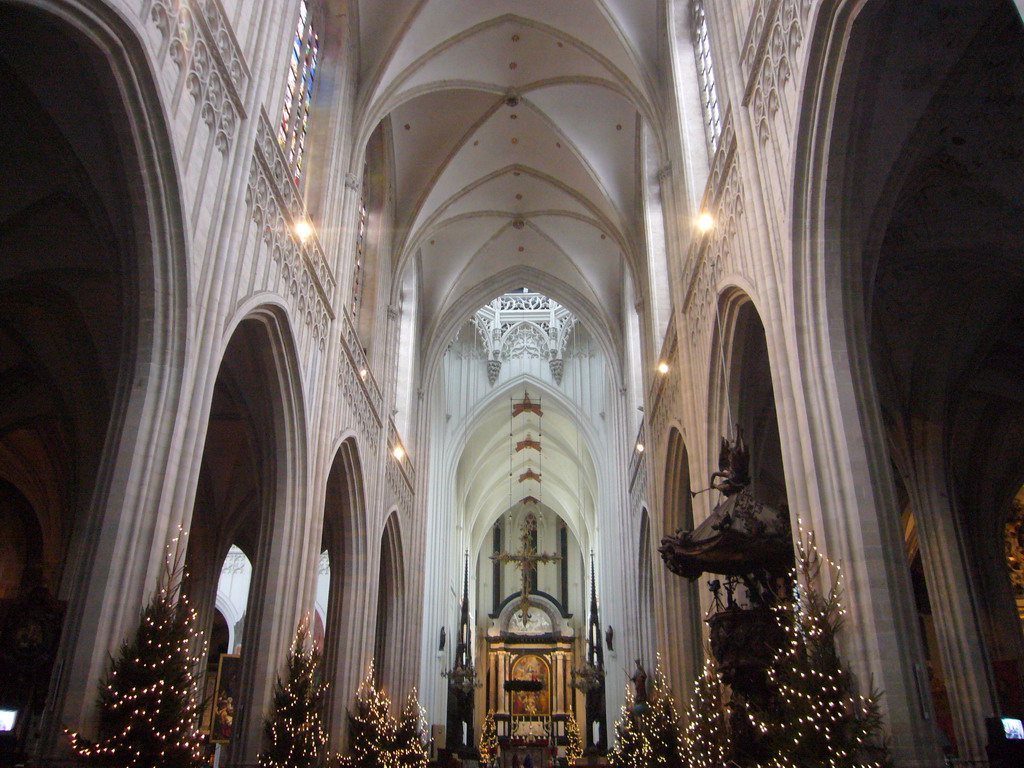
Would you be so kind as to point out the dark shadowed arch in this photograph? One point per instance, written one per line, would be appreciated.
(93, 288)
(390, 602)
(344, 537)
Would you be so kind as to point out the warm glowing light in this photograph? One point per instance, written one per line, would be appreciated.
(663, 368)
(639, 447)
(303, 229)
(398, 452)
(705, 222)
(363, 373)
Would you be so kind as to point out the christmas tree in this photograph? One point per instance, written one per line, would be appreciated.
(705, 737)
(488, 740)
(295, 730)
(647, 734)
(815, 717)
(148, 709)
(574, 747)
(409, 749)
(371, 729)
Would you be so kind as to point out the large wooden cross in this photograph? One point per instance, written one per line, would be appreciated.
(526, 560)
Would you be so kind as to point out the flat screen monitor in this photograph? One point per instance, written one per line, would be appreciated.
(7, 719)
(1013, 728)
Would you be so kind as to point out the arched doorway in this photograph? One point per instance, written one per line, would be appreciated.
(645, 591)
(682, 644)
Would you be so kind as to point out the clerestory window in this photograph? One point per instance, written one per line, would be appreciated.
(298, 91)
(706, 75)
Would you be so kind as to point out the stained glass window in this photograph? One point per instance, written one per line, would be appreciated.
(706, 75)
(298, 91)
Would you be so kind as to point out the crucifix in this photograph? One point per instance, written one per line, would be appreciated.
(526, 560)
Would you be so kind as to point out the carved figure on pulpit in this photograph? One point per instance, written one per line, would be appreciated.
(733, 466)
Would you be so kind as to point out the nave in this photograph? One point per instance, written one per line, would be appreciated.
(511, 351)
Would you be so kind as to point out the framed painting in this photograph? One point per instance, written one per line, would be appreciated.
(534, 668)
(225, 699)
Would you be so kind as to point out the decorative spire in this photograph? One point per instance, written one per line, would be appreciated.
(595, 651)
(463, 676)
(590, 676)
(464, 631)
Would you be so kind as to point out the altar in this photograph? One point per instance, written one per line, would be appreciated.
(529, 670)
(515, 757)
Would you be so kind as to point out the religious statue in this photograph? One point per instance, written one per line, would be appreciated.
(444, 638)
(609, 635)
(639, 680)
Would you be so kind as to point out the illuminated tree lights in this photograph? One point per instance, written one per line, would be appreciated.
(574, 745)
(148, 706)
(295, 732)
(376, 740)
(706, 737)
(648, 736)
(409, 748)
(814, 717)
(488, 740)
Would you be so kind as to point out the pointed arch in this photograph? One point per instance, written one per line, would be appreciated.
(252, 493)
(742, 393)
(681, 633)
(645, 591)
(387, 650)
(94, 289)
(344, 540)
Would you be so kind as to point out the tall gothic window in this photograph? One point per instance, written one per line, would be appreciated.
(706, 75)
(298, 92)
(357, 270)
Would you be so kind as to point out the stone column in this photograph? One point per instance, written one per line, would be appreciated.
(951, 588)
(272, 616)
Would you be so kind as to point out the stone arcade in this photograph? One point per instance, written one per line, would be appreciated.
(272, 273)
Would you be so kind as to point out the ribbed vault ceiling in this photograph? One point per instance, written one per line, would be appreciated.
(568, 473)
(515, 128)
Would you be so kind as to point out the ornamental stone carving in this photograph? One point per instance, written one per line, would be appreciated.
(357, 400)
(198, 38)
(724, 200)
(274, 205)
(524, 325)
(770, 54)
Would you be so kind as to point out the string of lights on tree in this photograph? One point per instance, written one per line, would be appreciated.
(817, 718)
(295, 731)
(148, 703)
(376, 739)
(488, 740)
(574, 744)
(705, 740)
(812, 717)
(648, 734)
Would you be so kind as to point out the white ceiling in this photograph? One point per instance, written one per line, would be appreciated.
(563, 160)
(569, 476)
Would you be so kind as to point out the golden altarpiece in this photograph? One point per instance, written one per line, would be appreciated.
(529, 671)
